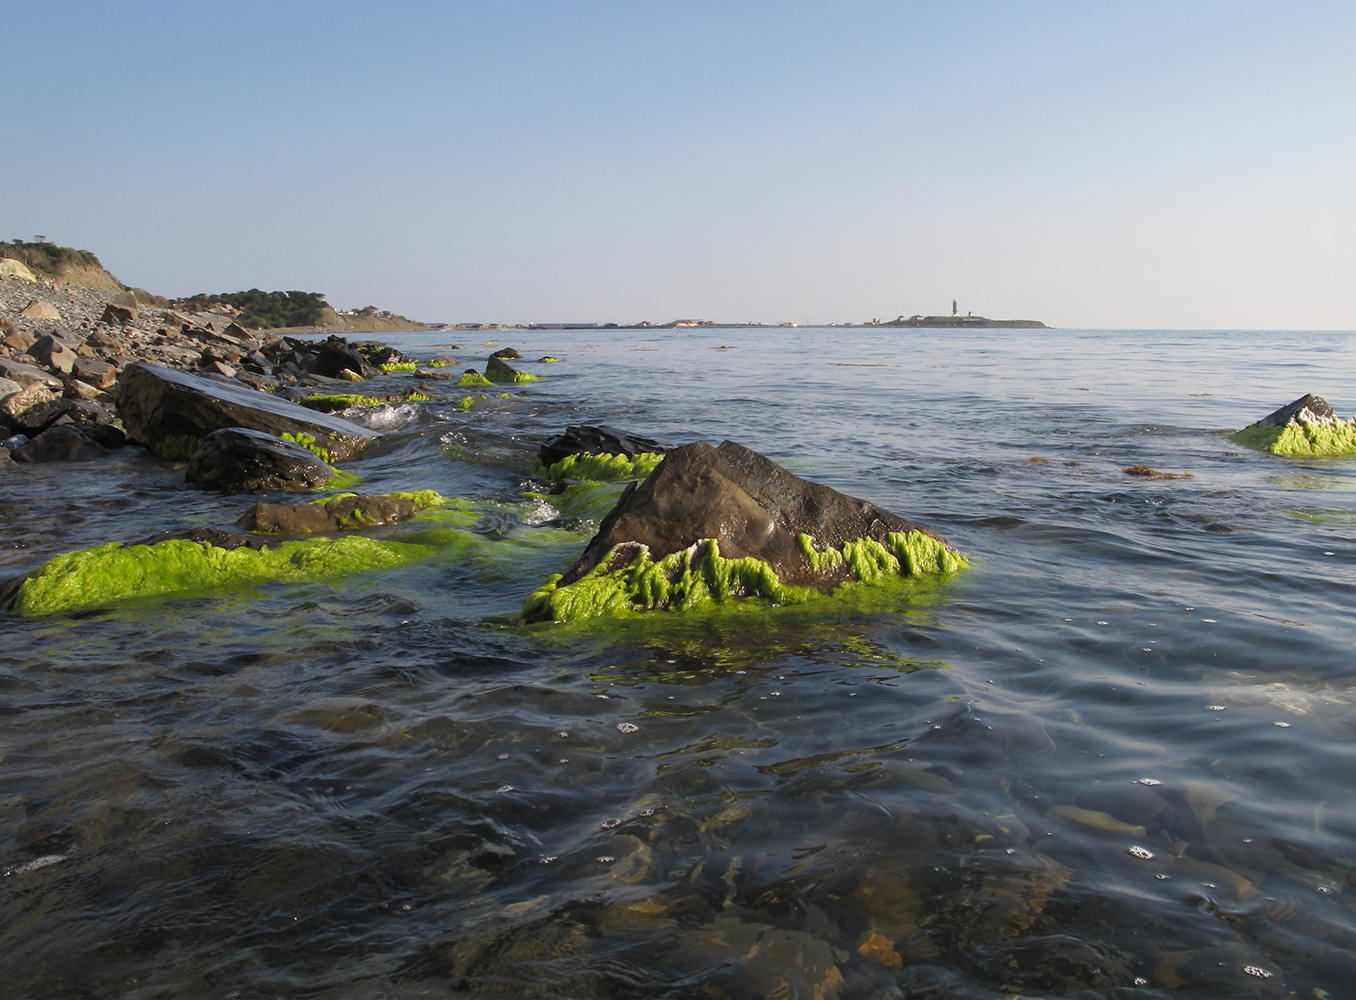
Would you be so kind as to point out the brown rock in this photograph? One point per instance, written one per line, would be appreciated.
(337, 515)
(20, 340)
(54, 353)
(40, 309)
(750, 505)
(32, 409)
(95, 371)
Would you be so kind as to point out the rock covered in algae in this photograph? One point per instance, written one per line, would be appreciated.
(108, 574)
(713, 524)
(339, 514)
(237, 458)
(172, 411)
(595, 439)
(1306, 428)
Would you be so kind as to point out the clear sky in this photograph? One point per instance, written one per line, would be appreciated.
(1163, 164)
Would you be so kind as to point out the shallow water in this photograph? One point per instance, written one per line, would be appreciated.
(1114, 758)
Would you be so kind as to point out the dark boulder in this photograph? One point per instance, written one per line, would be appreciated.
(380, 354)
(337, 355)
(507, 353)
(162, 407)
(749, 504)
(237, 458)
(496, 370)
(336, 515)
(32, 409)
(1319, 412)
(596, 439)
(62, 443)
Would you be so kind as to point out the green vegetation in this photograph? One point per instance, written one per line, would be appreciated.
(47, 258)
(1301, 438)
(108, 574)
(470, 380)
(308, 442)
(699, 576)
(415, 396)
(398, 366)
(327, 402)
(604, 468)
(177, 446)
(267, 310)
(517, 377)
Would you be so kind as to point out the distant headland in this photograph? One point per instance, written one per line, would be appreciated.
(968, 322)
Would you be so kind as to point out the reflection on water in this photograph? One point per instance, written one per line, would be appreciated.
(1108, 760)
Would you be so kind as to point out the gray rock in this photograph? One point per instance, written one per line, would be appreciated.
(95, 371)
(1319, 412)
(507, 353)
(158, 403)
(8, 387)
(336, 515)
(237, 458)
(53, 353)
(497, 371)
(63, 443)
(31, 409)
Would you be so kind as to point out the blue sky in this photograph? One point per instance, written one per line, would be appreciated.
(1179, 165)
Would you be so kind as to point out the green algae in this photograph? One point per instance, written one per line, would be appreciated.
(604, 468)
(415, 396)
(1301, 438)
(349, 375)
(588, 501)
(464, 404)
(177, 446)
(341, 400)
(470, 380)
(517, 377)
(342, 479)
(398, 366)
(547, 360)
(699, 576)
(440, 364)
(108, 574)
(308, 442)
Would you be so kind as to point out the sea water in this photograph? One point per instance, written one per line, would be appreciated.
(1113, 758)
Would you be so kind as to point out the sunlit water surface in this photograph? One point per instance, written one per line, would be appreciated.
(1114, 758)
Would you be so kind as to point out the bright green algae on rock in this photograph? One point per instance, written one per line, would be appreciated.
(699, 576)
(1301, 438)
(399, 366)
(472, 380)
(97, 577)
(177, 446)
(604, 468)
(308, 442)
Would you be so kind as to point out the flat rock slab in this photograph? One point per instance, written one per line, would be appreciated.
(750, 505)
(157, 404)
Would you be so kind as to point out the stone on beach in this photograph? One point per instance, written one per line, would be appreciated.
(170, 410)
(40, 309)
(11, 268)
(711, 524)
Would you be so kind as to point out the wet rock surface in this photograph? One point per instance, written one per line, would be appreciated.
(238, 458)
(157, 404)
(340, 514)
(750, 505)
(596, 439)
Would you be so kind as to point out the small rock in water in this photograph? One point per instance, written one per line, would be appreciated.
(238, 458)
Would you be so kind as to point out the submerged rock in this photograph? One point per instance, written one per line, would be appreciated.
(64, 443)
(112, 573)
(711, 524)
(237, 458)
(332, 516)
(171, 411)
(1306, 428)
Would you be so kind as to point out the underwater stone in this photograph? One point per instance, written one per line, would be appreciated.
(158, 403)
(1306, 428)
(335, 515)
(712, 524)
(237, 458)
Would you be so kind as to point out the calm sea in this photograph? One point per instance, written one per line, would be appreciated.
(1117, 757)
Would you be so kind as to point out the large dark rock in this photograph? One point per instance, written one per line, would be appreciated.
(1319, 412)
(749, 504)
(327, 518)
(337, 355)
(31, 410)
(160, 406)
(497, 370)
(237, 458)
(507, 353)
(596, 439)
